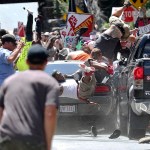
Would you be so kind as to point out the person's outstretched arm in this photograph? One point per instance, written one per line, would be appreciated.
(13, 56)
(119, 11)
(49, 124)
(50, 112)
(98, 65)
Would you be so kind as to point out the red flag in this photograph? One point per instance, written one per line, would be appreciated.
(21, 31)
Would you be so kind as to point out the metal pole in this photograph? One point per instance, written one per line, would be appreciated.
(72, 6)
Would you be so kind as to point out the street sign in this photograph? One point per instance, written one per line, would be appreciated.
(144, 29)
(129, 14)
(138, 3)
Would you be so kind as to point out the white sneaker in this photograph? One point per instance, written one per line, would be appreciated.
(88, 71)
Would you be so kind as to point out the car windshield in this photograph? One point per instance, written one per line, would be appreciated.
(68, 68)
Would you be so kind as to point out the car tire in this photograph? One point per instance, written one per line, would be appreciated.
(136, 126)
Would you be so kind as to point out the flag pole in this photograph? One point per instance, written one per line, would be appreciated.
(72, 6)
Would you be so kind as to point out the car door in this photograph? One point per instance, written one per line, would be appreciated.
(125, 77)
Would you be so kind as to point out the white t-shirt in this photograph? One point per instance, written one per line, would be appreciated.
(69, 89)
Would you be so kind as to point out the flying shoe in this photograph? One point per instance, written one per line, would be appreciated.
(88, 71)
(94, 131)
(115, 134)
(144, 140)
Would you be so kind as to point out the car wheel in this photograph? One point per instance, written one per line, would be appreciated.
(136, 126)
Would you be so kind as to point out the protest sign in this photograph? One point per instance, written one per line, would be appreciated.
(69, 41)
(77, 21)
(144, 29)
(129, 14)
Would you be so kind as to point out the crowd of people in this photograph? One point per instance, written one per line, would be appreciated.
(28, 118)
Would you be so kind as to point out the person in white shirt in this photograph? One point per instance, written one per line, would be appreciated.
(85, 87)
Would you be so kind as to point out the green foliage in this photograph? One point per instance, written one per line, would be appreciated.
(63, 4)
(148, 4)
(131, 24)
(60, 8)
(105, 25)
(63, 1)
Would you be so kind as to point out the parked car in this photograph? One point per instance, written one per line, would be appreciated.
(133, 91)
(104, 94)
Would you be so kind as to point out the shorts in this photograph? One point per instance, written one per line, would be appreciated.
(86, 90)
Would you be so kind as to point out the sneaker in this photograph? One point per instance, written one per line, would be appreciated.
(94, 131)
(144, 140)
(115, 134)
(88, 71)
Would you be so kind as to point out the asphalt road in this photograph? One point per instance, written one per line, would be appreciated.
(75, 135)
(101, 142)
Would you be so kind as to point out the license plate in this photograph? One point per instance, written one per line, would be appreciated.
(67, 108)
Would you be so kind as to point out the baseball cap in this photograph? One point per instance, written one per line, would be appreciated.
(8, 38)
(37, 54)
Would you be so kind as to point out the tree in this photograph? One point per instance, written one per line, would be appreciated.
(148, 4)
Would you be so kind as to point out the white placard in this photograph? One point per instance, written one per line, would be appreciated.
(144, 29)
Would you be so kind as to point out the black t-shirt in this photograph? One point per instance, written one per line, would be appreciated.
(109, 46)
(24, 97)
